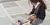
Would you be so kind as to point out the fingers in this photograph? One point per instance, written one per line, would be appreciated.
(32, 17)
(26, 14)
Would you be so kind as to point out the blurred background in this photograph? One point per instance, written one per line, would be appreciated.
(11, 8)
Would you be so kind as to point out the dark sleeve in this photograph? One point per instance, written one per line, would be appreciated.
(41, 13)
(32, 12)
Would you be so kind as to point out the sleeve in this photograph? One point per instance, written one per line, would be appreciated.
(42, 12)
(32, 12)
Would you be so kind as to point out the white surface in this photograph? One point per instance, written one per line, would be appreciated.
(2, 1)
(2, 12)
(5, 21)
(19, 17)
(9, 4)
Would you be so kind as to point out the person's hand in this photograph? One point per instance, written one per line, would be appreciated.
(17, 23)
(33, 17)
(27, 23)
(26, 14)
